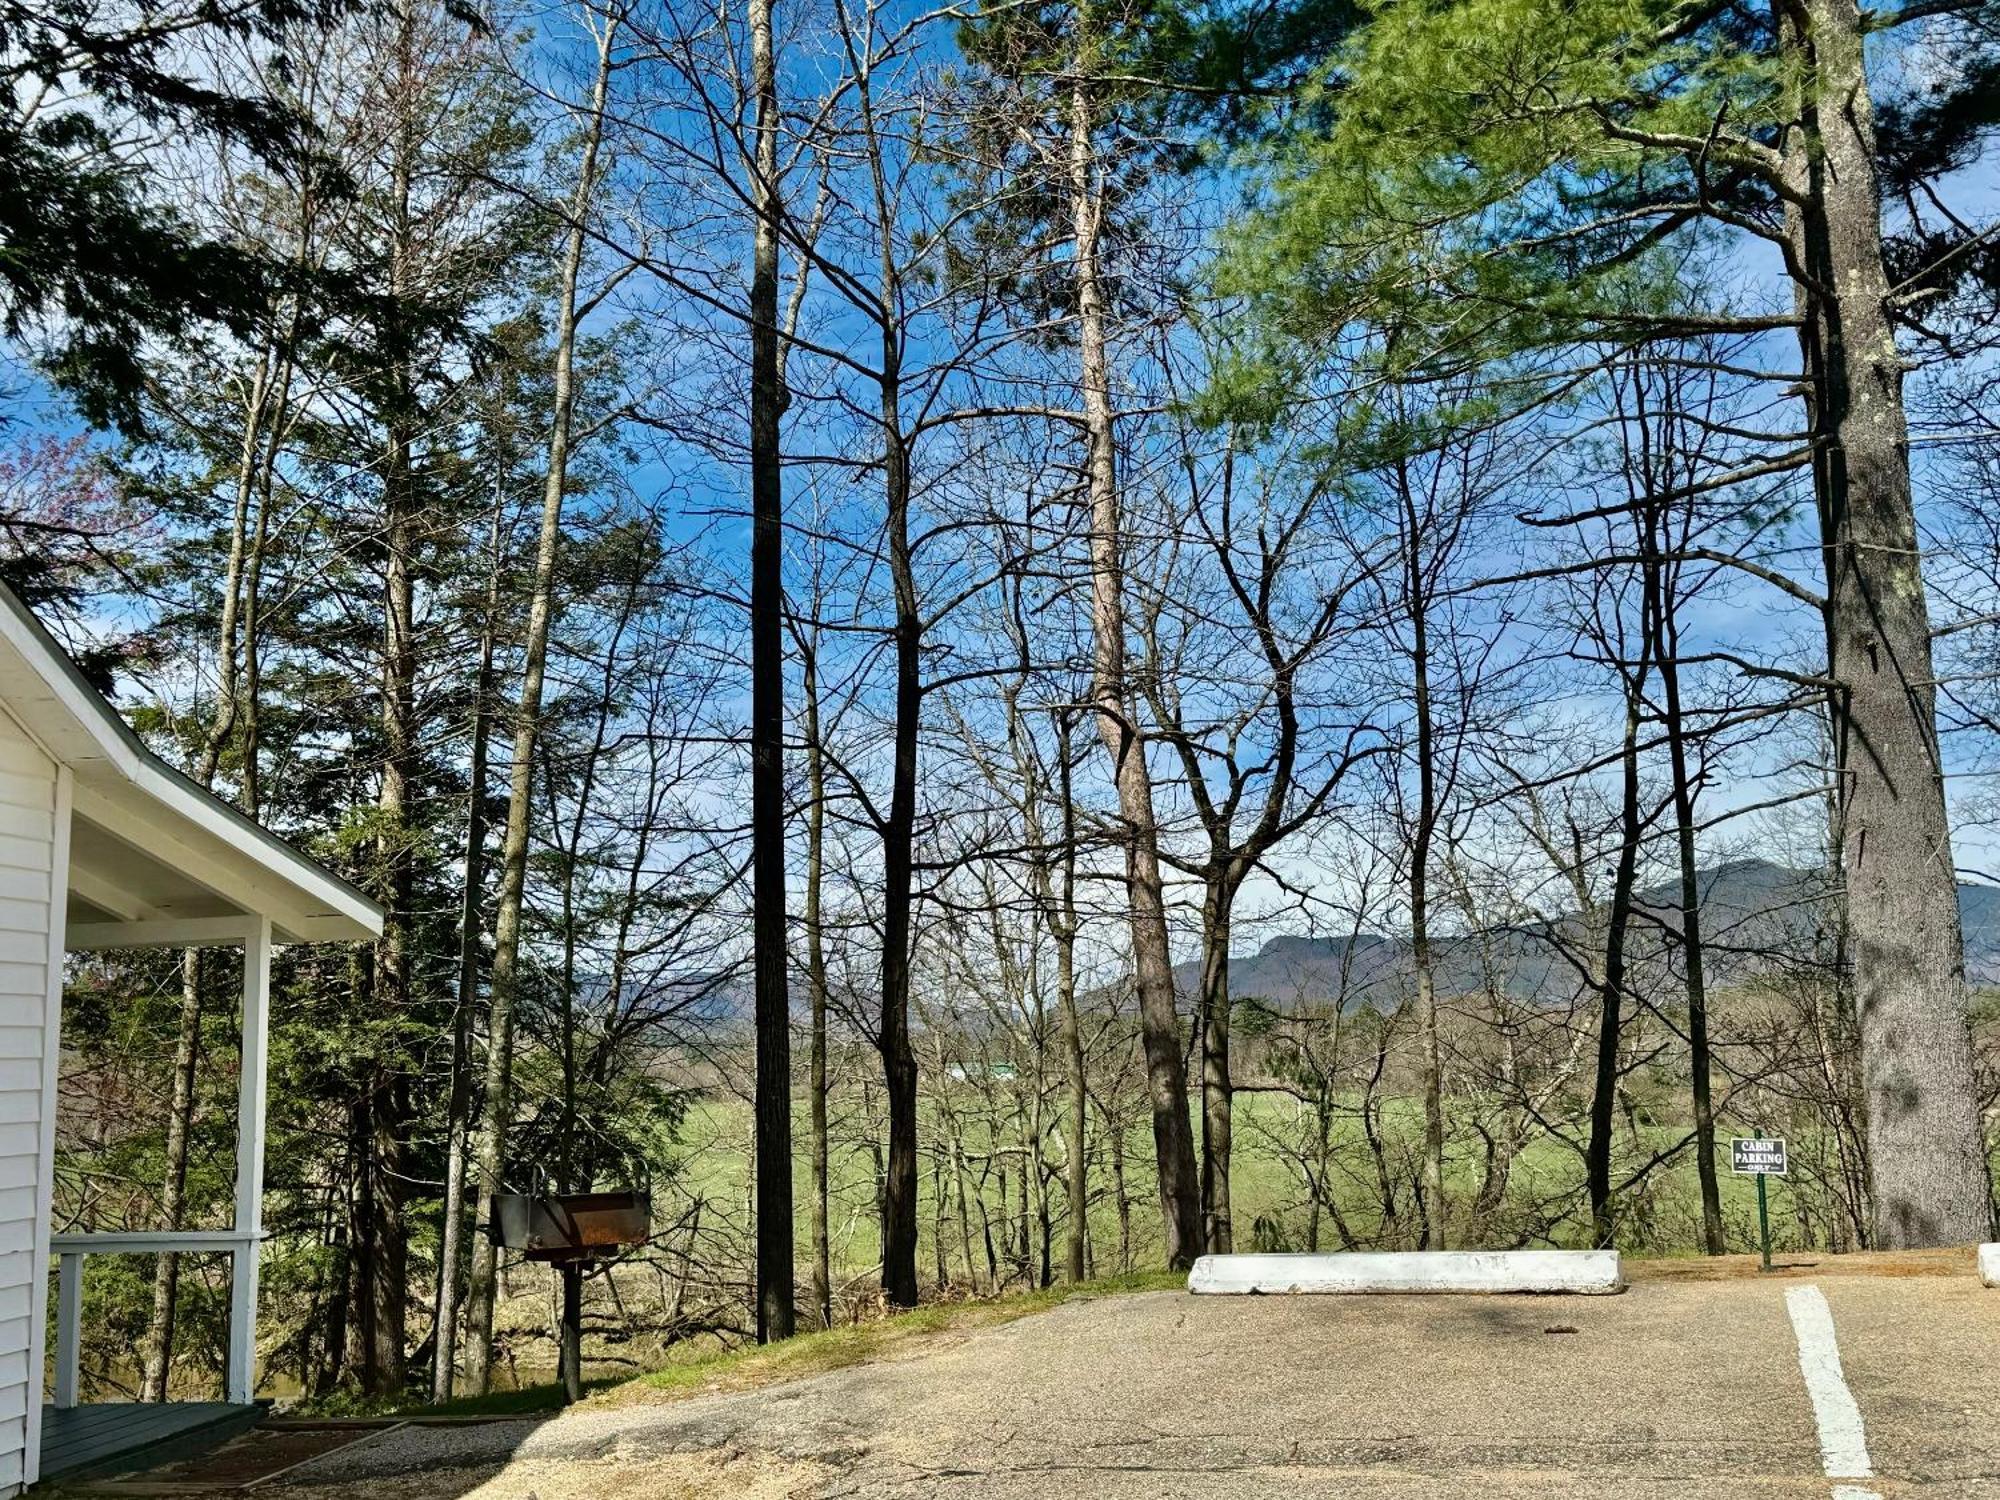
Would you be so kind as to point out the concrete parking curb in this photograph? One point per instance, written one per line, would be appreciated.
(1591, 1272)
(1989, 1264)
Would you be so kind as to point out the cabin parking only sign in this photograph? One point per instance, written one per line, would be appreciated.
(1757, 1156)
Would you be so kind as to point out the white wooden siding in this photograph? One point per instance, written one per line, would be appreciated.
(32, 849)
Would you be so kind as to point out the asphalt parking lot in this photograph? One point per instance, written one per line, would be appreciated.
(1841, 1380)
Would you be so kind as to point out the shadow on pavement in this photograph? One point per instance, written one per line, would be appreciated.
(437, 1458)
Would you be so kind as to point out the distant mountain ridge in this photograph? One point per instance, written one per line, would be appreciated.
(1753, 911)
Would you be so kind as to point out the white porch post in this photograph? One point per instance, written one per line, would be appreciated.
(69, 1320)
(250, 1101)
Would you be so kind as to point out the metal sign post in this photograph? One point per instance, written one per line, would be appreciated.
(1759, 1156)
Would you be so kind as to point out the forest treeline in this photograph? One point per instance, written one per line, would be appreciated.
(832, 565)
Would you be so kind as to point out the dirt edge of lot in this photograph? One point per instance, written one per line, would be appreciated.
(1802, 1264)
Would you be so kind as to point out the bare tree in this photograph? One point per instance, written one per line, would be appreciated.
(1271, 762)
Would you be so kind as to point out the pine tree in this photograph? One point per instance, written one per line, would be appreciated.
(1504, 184)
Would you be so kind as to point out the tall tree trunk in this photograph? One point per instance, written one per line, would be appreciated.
(1931, 1180)
(173, 1194)
(240, 706)
(573, 1169)
(816, 984)
(1666, 623)
(250, 714)
(1422, 836)
(383, 1266)
(1218, 1236)
(1037, 1120)
(1114, 1134)
(360, 1322)
(1065, 927)
(940, 1242)
(1118, 724)
(381, 1245)
(1611, 989)
(899, 1064)
(159, 1346)
(384, 1368)
(489, 1152)
(1700, 1061)
(899, 1061)
(458, 1106)
(775, 1272)
(958, 1172)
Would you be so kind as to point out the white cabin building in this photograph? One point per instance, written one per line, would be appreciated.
(102, 845)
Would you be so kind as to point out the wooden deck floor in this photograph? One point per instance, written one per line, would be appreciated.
(115, 1437)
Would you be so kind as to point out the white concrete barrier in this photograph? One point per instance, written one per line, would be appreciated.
(1989, 1264)
(1462, 1271)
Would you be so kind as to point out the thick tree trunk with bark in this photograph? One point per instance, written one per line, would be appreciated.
(1931, 1179)
(1118, 724)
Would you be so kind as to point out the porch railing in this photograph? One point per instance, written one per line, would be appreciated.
(239, 1245)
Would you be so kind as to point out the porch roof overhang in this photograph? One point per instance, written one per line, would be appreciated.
(150, 851)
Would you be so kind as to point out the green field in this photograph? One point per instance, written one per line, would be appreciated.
(1271, 1210)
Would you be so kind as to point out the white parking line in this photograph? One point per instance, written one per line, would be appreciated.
(1843, 1441)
